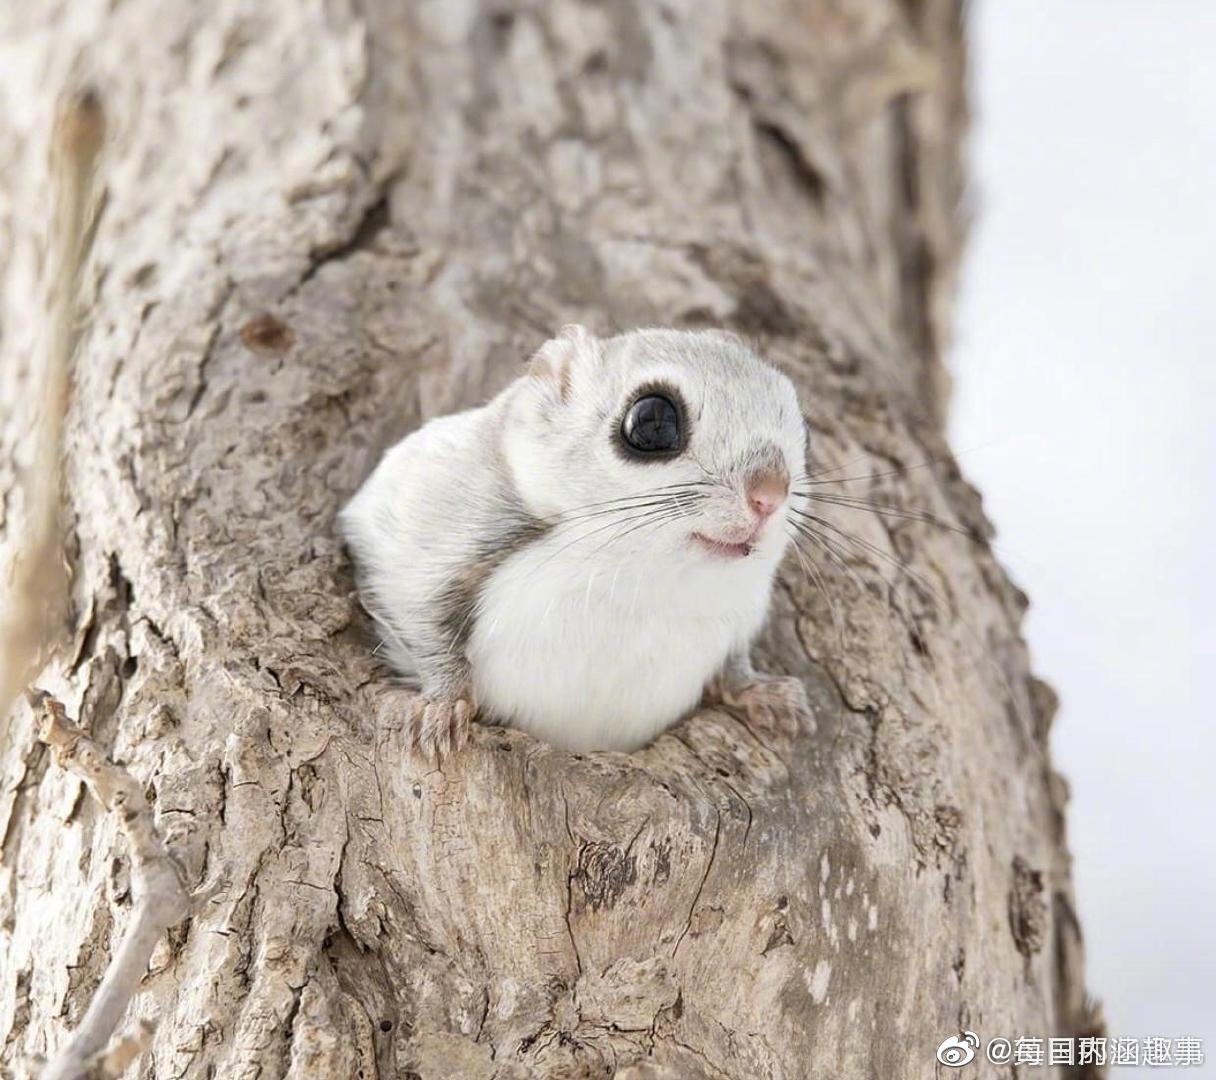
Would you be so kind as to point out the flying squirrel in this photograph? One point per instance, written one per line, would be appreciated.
(592, 552)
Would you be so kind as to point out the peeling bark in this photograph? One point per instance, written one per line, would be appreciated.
(327, 222)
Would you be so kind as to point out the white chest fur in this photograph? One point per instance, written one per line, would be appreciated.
(605, 653)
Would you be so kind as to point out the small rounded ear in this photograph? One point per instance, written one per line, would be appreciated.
(552, 361)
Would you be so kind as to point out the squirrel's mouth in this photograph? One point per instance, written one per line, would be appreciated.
(725, 549)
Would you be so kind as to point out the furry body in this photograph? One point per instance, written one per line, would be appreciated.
(519, 556)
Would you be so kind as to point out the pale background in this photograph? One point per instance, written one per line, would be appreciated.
(1085, 366)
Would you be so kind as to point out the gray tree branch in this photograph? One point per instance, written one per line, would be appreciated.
(160, 901)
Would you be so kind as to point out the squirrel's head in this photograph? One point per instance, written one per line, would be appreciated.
(658, 440)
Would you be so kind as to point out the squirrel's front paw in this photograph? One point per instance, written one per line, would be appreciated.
(771, 703)
(437, 727)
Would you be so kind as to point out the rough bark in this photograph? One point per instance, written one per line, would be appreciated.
(326, 222)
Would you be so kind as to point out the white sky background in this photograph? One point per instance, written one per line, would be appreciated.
(1085, 409)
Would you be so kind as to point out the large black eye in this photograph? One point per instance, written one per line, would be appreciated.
(652, 425)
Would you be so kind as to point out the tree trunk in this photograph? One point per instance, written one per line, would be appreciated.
(328, 221)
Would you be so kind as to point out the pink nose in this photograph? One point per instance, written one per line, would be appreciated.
(766, 490)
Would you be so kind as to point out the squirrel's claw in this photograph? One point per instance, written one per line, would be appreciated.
(437, 728)
(776, 703)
